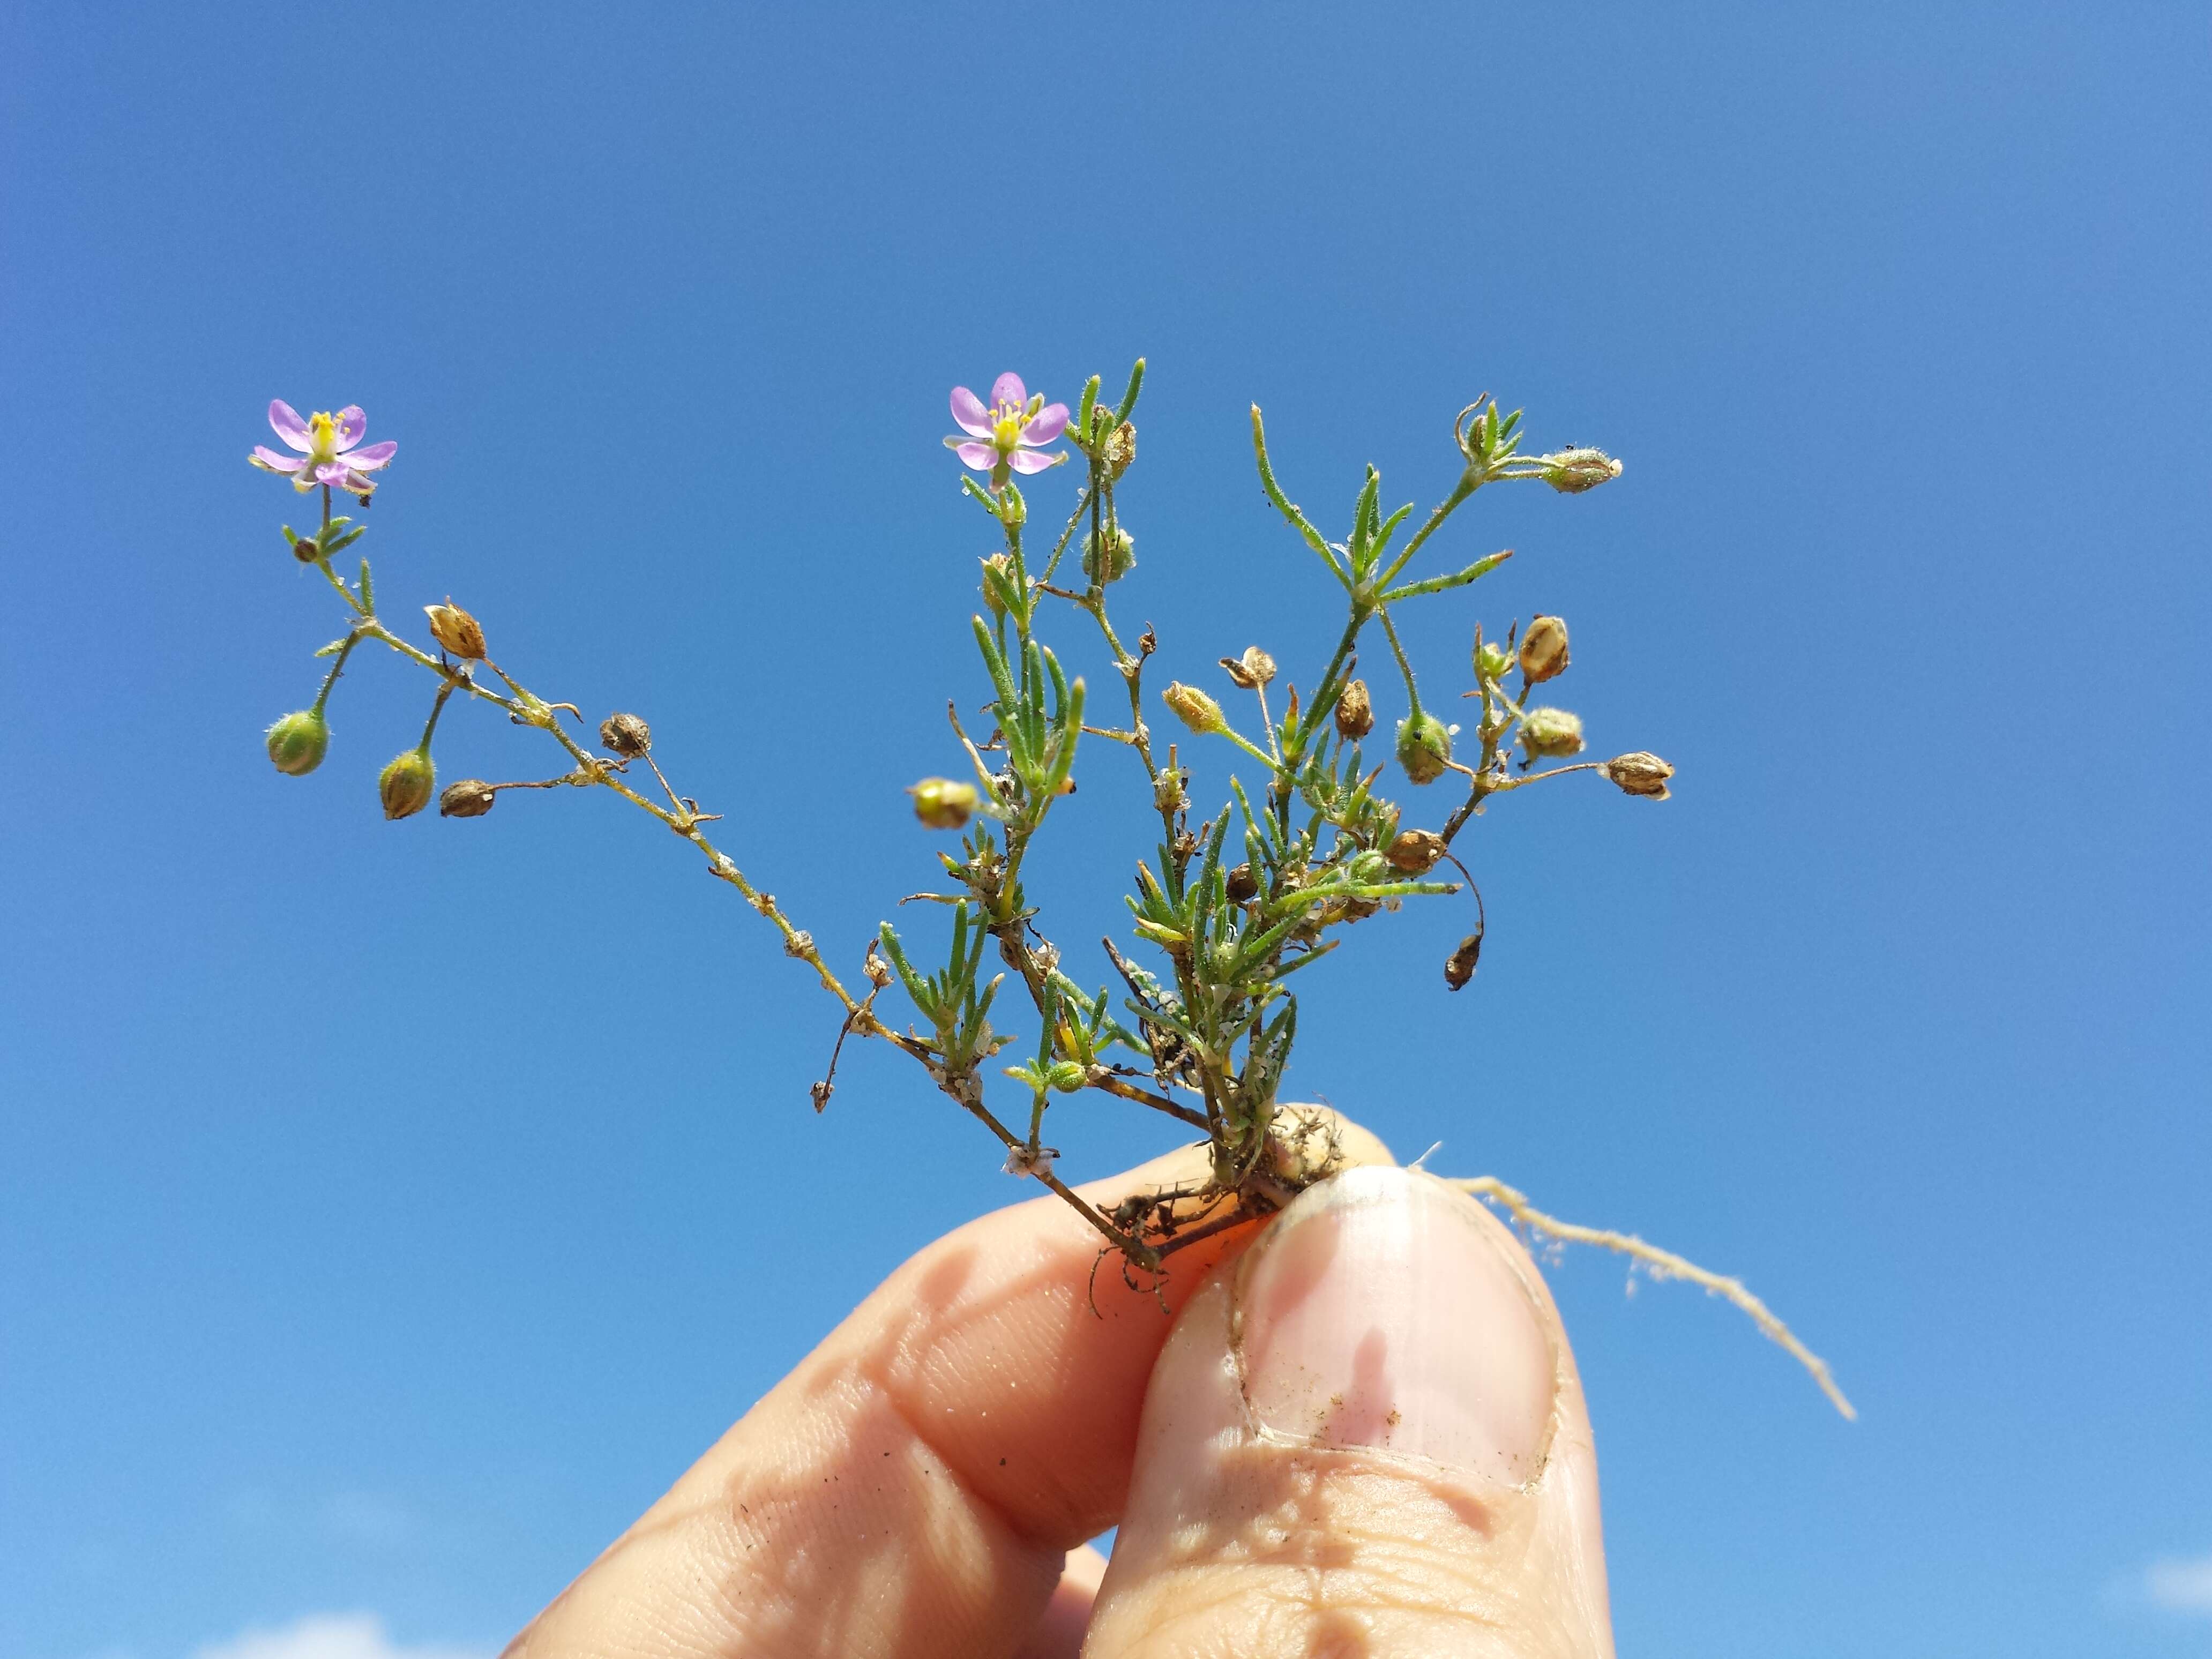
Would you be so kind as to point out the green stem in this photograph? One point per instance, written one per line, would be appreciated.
(1413, 692)
(331, 679)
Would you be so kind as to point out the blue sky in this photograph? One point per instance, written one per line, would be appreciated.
(388, 1212)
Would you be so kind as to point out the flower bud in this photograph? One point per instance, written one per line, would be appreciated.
(1639, 774)
(298, 741)
(1198, 711)
(1543, 650)
(625, 735)
(1573, 471)
(998, 580)
(404, 785)
(472, 798)
(943, 804)
(1355, 715)
(1551, 734)
(1415, 852)
(456, 630)
(1121, 556)
(1243, 885)
(305, 551)
(1423, 747)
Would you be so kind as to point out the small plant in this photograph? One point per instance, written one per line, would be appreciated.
(1197, 1018)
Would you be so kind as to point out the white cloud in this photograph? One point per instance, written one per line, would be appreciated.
(328, 1636)
(2181, 1586)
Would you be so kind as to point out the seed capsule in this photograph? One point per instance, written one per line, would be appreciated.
(1573, 471)
(943, 804)
(625, 735)
(404, 785)
(1459, 967)
(1543, 650)
(1423, 747)
(472, 798)
(1355, 715)
(1551, 734)
(1415, 852)
(456, 630)
(1122, 449)
(298, 741)
(1639, 774)
(1243, 885)
(1198, 711)
(306, 551)
(1121, 556)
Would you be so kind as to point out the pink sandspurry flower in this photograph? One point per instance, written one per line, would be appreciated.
(1009, 432)
(330, 450)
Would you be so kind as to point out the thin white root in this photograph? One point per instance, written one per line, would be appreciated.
(1665, 1264)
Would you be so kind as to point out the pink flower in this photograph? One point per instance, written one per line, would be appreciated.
(329, 446)
(1008, 434)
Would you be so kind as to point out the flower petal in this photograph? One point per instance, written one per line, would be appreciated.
(289, 426)
(1050, 422)
(982, 457)
(370, 457)
(1027, 460)
(1008, 389)
(331, 472)
(352, 426)
(360, 483)
(969, 415)
(270, 461)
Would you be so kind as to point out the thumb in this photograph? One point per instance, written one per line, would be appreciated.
(1365, 1436)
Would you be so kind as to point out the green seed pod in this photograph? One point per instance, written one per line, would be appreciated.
(298, 741)
(1120, 557)
(404, 786)
(942, 803)
(1551, 734)
(1543, 650)
(1198, 711)
(1423, 747)
(1491, 662)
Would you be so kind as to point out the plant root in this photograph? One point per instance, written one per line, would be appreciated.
(1663, 1264)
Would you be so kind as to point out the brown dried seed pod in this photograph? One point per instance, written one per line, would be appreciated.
(472, 798)
(625, 735)
(1543, 650)
(1355, 714)
(1243, 885)
(1459, 967)
(456, 630)
(1415, 852)
(1639, 774)
(306, 551)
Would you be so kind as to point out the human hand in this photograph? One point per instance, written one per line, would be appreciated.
(1363, 1433)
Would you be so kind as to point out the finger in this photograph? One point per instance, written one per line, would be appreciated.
(1057, 1632)
(1366, 1435)
(910, 1490)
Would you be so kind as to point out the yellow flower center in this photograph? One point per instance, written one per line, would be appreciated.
(323, 434)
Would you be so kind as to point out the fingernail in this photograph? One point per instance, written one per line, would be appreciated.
(1380, 1310)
